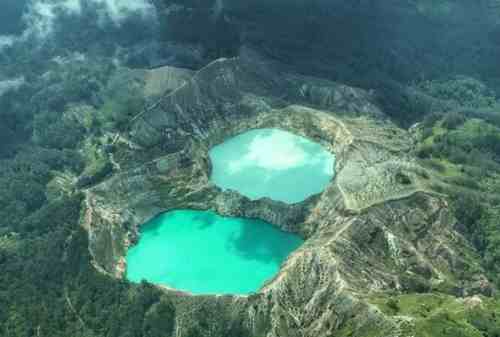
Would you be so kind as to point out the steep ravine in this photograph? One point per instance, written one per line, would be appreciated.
(377, 227)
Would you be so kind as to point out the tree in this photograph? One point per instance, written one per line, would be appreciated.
(53, 130)
(468, 211)
(453, 120)
(160, 319)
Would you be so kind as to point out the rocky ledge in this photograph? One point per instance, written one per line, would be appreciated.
(377, 228)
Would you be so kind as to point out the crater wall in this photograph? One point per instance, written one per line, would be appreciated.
(377, 227)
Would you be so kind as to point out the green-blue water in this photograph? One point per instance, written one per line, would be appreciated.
(204, 253)
(272, 163)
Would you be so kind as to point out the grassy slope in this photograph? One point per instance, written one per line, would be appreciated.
(431, 315)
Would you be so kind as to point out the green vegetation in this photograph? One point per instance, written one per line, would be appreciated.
(459, 142)
(55, 131)
(51, 143)
(51, 289)
(464, 152)
(123, 99)
(48, 285)
(44, 261)
(471, 142)
(461, 91)
(441, 315)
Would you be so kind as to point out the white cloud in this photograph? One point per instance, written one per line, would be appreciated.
(73, 57)
(11, 84)
(119, 10)
(329, 168)
(218, 8)
(6, 41)
(40, 20)
(263, 162)
(276, 151)
(279, 150)
(42, 14)
(71, 6)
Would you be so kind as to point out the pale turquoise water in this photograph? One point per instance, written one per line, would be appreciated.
(272, 163)
(204, 253)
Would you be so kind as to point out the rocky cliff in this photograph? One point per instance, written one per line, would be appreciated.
(378, 228)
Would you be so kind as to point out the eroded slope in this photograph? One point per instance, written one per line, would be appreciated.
(376, 228)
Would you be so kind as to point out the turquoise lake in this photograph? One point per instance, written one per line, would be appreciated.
(272, 163)
(204, 253)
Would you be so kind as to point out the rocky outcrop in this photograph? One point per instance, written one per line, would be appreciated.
(165, 79)
(376, 228)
